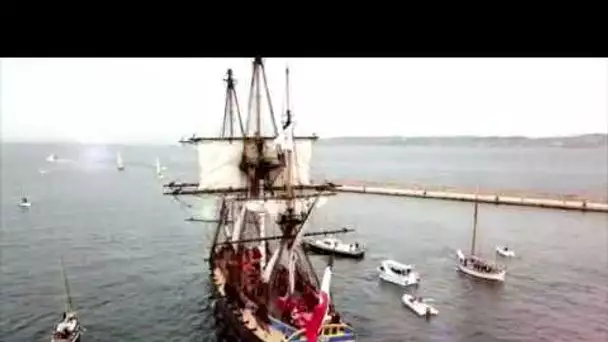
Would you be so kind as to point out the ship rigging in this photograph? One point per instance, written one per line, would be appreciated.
(259, 178)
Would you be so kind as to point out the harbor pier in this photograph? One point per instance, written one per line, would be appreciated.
(538, 202)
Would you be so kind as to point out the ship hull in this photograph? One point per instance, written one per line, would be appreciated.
(325, 251)
(228, 325)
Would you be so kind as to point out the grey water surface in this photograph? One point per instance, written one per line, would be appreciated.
(137, 269)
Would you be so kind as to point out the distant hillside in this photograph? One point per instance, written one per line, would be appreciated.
(579, 141)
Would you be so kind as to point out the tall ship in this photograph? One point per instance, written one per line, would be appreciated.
(257, 175)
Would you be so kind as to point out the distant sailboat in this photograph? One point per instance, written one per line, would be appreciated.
(25, 203)
(119, 163)
(476, 266)
(159, 169)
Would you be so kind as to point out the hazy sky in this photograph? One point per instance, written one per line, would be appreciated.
(160, 100)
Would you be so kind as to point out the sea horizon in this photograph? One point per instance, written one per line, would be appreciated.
(598, 139)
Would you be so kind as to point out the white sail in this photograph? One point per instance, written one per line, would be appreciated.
(159, 170)
(209, 206)
(238, 225)
(261, 218)
(300, 157)
(119, 162)
(275, 207)
(219, 165)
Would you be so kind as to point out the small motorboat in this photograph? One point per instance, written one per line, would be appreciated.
(336, 247)
(25, 203)
(398, 273)
(505, 251)
(52, 158)
(68, 329)
(418, 305)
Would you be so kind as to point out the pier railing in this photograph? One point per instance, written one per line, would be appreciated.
(558, 202)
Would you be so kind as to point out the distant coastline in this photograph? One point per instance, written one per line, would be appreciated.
(596, 140)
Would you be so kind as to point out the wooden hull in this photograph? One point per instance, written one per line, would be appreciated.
(76, 338)
(228, 325)
(233, 325)
(327, 251)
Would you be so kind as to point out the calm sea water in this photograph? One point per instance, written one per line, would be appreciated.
(137, 272)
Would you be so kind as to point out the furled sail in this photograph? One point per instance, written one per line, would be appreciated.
(274, 207)
(219, 165)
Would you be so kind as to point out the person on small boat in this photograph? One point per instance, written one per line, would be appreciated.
(23, 199)
(506, 248)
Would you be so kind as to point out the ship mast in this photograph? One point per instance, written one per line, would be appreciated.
(245, 168)
(232, 112)
(289, 131)
(260, 170)
(68, 297)
(474, 228)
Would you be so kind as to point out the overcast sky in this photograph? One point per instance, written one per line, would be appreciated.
(161, 100)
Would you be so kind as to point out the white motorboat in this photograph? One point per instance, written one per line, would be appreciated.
(418, 305)
(334, 246)
(52, 158)
(505, 251)
(398, 273)
(475, 265)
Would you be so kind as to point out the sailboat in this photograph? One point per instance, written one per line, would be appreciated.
(159, 169)
(25, 203)
(119, 163)
(476, 266)
(68, 329)
(265, 285)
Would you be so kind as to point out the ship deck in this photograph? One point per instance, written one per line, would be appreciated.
(268, 334)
